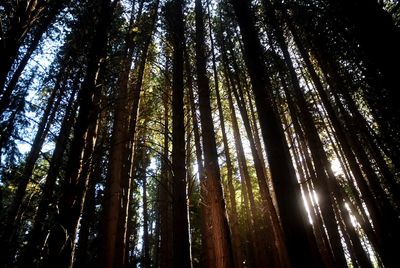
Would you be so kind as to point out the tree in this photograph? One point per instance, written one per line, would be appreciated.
(223, 256)
(287, 192)
(180, 224)
(61, 244)
(23, 19)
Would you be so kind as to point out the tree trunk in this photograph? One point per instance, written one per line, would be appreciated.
(71, 201)
(233, 214)
(207, 256)
(165, 186)
(119, 153)
(83, 257)
(14, 212)
(180, 224)
(375, 188)
(245, 181)
(273, 229)
(27, 16)
(219, 224)
(322, 166)
(31, 253)
(291, 209)
(307, 174)
(378, 40)
(61, 242)
(146, 239)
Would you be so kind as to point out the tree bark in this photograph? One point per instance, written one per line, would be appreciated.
(83, 256)
(165, 185)
(233, 214)
(207, 257)
(370, 175)
(74, 190)
(219, 225)
(180, 224)
(146, 238)
(322, 166)
(291, 210)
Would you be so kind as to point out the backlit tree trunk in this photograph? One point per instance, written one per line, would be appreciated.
(180, 223)
(212, 182)
(287, 191)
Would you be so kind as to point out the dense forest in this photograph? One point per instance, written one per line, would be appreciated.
(218, 133)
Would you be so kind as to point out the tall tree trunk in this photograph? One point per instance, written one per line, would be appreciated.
(233, 218)
(36, 236)
(146, 238)
(165, 186)
(379, 207)
(61, 242)
(361, 257)
(119, 153)
(379, 221)
(212, 181)
(322, 166)
(88, 221)
(273, 229)
(180, 224)
(207, 257)
(289, 200)
(83, 258)
(71, 200)
(264, 233)
(128, 166)
(306, 174)
(388, 178)
(246, 182)
(14, 212)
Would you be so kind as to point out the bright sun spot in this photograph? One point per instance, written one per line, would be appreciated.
(336, 167)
